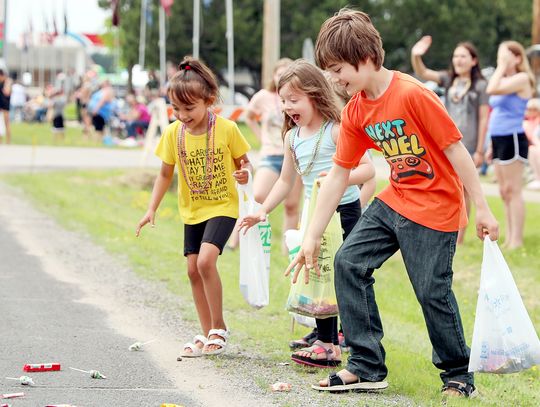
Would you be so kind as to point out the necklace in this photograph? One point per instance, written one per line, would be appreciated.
(459, 89)
(314, 154)
(207, 168)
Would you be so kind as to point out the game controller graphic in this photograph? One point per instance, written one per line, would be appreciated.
(405, 165)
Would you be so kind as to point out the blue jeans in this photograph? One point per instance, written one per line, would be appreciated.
(428, 256)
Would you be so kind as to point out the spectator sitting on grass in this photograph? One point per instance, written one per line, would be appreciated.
(137, 118)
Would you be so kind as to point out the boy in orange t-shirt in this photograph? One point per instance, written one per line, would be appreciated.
(419, 213)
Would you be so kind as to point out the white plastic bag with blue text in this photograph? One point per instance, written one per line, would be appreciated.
(504, 339)
(254, 251)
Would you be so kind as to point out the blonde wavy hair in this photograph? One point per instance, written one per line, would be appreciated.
(517, 49)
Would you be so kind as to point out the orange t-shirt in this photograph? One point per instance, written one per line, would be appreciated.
(411, 127)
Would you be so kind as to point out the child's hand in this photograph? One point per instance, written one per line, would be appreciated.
(242, 175)
(488, 156)
(486, 224)
(149, 217)
(251, 220)
(504, 57)
(306, 258)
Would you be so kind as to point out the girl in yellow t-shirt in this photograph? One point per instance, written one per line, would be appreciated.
(210, 152)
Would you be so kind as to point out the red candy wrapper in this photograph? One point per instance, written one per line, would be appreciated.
(12, 395)
(280, 386)
(41, 367)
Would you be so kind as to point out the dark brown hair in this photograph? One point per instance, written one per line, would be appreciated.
(193, 81)
(476, 73)
(349, 36)
(307, 78)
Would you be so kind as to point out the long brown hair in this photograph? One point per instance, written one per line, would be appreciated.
(307, 78)
(476, 73)
(193, 81)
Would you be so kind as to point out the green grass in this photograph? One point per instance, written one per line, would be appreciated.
(108, 210)
(41, 134)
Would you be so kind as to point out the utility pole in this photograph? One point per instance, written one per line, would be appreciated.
(162, 47)
(271, 38)
(142, 34)
(196, 27)
(535, 35)
(230, 49)
(3, 31)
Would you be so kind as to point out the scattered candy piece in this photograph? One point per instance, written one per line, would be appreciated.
(24, 380)
(280, 386)
(138, 345)
(94, 374)
(41, 367)
(12, 395)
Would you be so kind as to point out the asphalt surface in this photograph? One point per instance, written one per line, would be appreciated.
(43, 320)
(14, 158)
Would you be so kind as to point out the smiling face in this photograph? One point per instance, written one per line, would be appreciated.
(352, 80)
(297, 105)
(462, 61)
(193, 115)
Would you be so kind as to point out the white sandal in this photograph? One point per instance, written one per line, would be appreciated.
(221, 342)
(196, 352)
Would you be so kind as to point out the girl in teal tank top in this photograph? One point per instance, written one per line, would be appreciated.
(310, 132)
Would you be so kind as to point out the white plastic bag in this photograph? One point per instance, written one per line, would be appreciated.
(293, 241)
(254, 251)
(504, 339)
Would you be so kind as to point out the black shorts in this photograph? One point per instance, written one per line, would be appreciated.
(510, 148)
(349, 214)
(58, 122)
(98, 122)
(214, 230)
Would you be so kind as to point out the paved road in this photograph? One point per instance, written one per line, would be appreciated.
(27, 158)
(43, 320)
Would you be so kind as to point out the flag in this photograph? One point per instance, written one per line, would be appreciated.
(65, 20)
(148, 13)
(167, 4)
(46, 37)
(115, 4)
(55, 27)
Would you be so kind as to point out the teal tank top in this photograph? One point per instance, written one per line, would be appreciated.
(304, 148)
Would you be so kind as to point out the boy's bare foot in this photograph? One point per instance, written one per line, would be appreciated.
(347, 381)
(459, 389)
(345, 375)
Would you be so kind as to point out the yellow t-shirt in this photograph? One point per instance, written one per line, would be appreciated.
(221, 198)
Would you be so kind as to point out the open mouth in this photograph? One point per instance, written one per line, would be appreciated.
(295, 117)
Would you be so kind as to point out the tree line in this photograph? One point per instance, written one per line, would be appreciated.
(401, 23)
